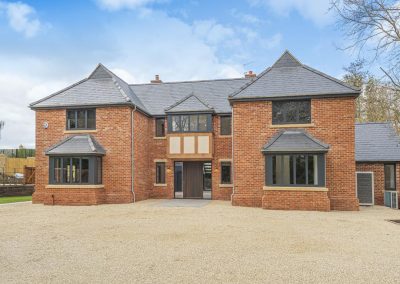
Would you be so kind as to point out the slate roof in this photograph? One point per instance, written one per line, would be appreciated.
(290, 78)
(77, 144)
(102, 87)
(377, 142)
(191, 103)
(294, 141)
(286, 78)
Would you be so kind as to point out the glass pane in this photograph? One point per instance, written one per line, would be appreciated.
(57, 170)
(66, 170)
(160, 173)
(274, 175)
(313, 170)
(194, 124)
(185, 123)
(99, 170)
(160, 127)
(277, 112)
(225, 172)
(71, 123)
(226, 125)
(85, 171)
(291, 112)
(203, 122)
(305, 112)
(178, 176)
(207, 176)
(390, 177)
(176, 125)
(300, 169)
(291, 109)
(81, 119)
(283, 170)
(91, 118)
(75, 170)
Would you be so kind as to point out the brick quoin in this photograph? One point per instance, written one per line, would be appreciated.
(333, 123)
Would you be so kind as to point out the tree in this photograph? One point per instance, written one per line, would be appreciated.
(375, 24)
(1, 126)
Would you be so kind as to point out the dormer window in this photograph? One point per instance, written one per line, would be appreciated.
(78, 119)
(291, 112)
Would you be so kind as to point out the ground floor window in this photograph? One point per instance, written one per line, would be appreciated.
(75, 170)
(226, 173)
(390, 177)
(295, 170)
(160, 173)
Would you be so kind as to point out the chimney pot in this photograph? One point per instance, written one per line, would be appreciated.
(156, 79)
(250, 74)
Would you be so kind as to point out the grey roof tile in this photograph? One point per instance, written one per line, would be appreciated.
(294, 140)
(289, 78)
(77, 144)
(376, 142)
(191, 103)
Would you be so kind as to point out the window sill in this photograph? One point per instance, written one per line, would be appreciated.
(294, 188)
(225, 136)
(160, 184)
(80, 131)
(76, 186)
(292, 125)
(226, 185)
(160, 138)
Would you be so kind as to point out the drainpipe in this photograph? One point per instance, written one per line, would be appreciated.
(233, 161)
(132, 155)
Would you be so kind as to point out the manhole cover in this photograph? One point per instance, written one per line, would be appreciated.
(396, 221)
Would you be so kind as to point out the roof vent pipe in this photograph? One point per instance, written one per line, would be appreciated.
(156, 79)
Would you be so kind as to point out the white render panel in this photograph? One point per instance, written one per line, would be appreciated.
(175, 145)
(203, 145)
(188, 145)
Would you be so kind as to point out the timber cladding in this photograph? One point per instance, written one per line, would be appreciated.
(333, 123)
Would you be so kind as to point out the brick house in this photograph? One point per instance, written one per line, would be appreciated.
(284, 139)
(378, 164)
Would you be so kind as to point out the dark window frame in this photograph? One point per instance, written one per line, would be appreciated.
(190, 116)
(269, 170)
(94, 170)
(223, 131)
(159, 128)
(75, 111)
(224, 164)
(284, 107)
(385, 176)
(160, 174)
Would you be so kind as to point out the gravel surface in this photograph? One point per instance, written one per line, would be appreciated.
(215, 243)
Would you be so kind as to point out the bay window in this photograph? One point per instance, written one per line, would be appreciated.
(190, 123)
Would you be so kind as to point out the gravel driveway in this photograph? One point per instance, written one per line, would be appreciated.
(149, 242)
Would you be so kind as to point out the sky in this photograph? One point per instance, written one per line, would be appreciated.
(48, 45)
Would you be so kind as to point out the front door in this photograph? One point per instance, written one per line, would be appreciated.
(192, 180)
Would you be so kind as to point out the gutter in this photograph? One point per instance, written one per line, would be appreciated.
(132, 156)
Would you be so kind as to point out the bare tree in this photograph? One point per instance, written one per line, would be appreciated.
(373, 24)
(1, 126)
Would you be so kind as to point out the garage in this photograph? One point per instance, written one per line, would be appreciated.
(365, 188)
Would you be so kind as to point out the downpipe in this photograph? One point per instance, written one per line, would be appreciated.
(132, 155)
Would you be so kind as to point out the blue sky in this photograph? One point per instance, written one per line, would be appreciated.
(47, 45)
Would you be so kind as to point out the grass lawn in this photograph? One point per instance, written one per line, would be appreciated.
(11, 199)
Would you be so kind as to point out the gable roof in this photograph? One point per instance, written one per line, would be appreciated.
(77, 144)
(288, 78)
(102, 87)
(190, 103)
(376, 142)
(294, 141)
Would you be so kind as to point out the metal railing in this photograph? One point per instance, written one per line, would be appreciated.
(13, 177)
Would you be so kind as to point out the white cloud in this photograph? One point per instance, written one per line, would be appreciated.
(245, 18)
(114, 5)
(273, 41)
(316, 11)
(212, 32)
(22, 18)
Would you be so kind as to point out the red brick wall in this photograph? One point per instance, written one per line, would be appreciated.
(379, 179)
(113, 132)
(296, 200)
(333, 120)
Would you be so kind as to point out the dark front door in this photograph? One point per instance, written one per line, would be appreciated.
(192, 180)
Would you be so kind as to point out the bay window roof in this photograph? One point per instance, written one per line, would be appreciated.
(77, 145)
(294, 141)
(190, 103)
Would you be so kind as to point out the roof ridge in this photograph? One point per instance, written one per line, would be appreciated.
(250, 83)
(188, 81)
(185, 99)
(286, 52)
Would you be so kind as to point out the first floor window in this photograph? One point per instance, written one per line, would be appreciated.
(295, 170)
(160, 127)
(190, 123)
(81, 119)
(291, 112)
(226, 173)
(390, 177)
(226, 125)
(75, 170)
(160, 173)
